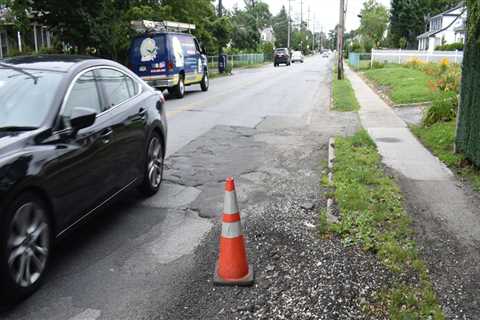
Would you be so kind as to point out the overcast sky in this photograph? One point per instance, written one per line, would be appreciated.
(325, 11)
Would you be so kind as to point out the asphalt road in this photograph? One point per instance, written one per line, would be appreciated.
(130, 260)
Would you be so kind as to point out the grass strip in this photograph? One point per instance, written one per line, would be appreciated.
(440, 139)
(344, 99)
(402, 85)
(373, 217)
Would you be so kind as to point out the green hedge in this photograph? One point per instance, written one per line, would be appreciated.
(451, 47)
(468, 134)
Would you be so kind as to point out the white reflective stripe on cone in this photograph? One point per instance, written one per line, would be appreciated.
(231, 229)
(230, 205)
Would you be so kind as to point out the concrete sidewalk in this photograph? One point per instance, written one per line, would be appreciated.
(446, 214)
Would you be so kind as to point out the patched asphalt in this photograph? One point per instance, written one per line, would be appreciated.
(299, 275)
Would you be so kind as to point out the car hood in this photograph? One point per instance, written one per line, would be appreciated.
(11, 141)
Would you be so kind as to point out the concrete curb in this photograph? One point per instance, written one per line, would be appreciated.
(331, 154)
(331, 162)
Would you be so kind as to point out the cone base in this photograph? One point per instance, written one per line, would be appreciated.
(242, 282)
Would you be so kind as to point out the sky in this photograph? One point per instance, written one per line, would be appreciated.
(326, 11)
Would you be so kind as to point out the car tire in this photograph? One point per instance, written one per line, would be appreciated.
(153, 174)
(205, 82)
(26, 238)
(179, 90)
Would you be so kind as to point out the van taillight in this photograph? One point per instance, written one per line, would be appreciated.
(170, 66)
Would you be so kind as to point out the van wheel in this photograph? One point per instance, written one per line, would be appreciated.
(205, 82)
(179, 90)
(26, 237)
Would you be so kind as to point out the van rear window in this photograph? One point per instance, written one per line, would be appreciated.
(148, 48)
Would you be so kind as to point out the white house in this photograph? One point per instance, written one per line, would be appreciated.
(267, 35)
(445, 28)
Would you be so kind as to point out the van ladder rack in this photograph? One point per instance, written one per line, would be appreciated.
(145, 26)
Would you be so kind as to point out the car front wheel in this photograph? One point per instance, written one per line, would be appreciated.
(153, 175)
(26, 241)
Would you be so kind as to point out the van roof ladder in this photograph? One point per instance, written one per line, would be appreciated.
(145, 26)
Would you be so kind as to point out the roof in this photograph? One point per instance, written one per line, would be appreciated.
(62, 63)
(428, 34)
(449, 11)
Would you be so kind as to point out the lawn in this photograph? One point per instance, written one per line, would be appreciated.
(373, 217)
(440, 138)
(343, 96)
(402, 85)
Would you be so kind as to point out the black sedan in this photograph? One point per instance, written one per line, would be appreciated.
(75, 132)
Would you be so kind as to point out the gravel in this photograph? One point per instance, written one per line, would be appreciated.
(299, 275)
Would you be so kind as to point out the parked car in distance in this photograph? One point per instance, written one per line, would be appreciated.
(75, 132)
(169, 60)
(281, 56)
(325, 54)
(297, 56)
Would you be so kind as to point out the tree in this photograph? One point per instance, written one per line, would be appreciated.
(374, 22)
(332, 38)
(102, 26)
(408, 19)
(280, 28)
(247, 24)
(468, 131)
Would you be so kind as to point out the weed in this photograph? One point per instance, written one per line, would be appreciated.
(373, 217)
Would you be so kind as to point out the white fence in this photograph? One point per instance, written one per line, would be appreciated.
(404, 56)
(239, 60)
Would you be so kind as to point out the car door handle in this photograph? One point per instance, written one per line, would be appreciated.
(106, 135)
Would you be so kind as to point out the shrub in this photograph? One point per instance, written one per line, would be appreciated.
(378, 65)
(444, 108)
(451, 47)
(448, 81)
(414, 63)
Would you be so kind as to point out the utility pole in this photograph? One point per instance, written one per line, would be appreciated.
(289, 24)
(341, 31)
(313, 33)
(301, 14)
(220, 14)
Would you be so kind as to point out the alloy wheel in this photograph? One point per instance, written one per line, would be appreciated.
(28, 244)
(155, 162)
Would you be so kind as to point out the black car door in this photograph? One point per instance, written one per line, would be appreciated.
(84, 176)
(128, 116)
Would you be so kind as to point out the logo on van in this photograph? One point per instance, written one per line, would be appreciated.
(178, 52)
(148, 49)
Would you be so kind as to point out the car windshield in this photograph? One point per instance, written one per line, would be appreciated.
(26, 97)
(280, 51)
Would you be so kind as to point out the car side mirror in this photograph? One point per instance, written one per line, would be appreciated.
(82, 118)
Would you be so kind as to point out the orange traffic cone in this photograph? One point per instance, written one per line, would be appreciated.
(232, 267)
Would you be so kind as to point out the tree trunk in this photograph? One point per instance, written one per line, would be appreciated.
(468, 129)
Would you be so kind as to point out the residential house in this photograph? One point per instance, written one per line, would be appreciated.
(267, 35)
(445, 28)
(13, 41)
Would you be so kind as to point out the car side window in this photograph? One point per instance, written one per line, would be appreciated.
(117, 86)
(84, 94)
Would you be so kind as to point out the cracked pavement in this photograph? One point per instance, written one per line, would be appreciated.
(153, 258)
